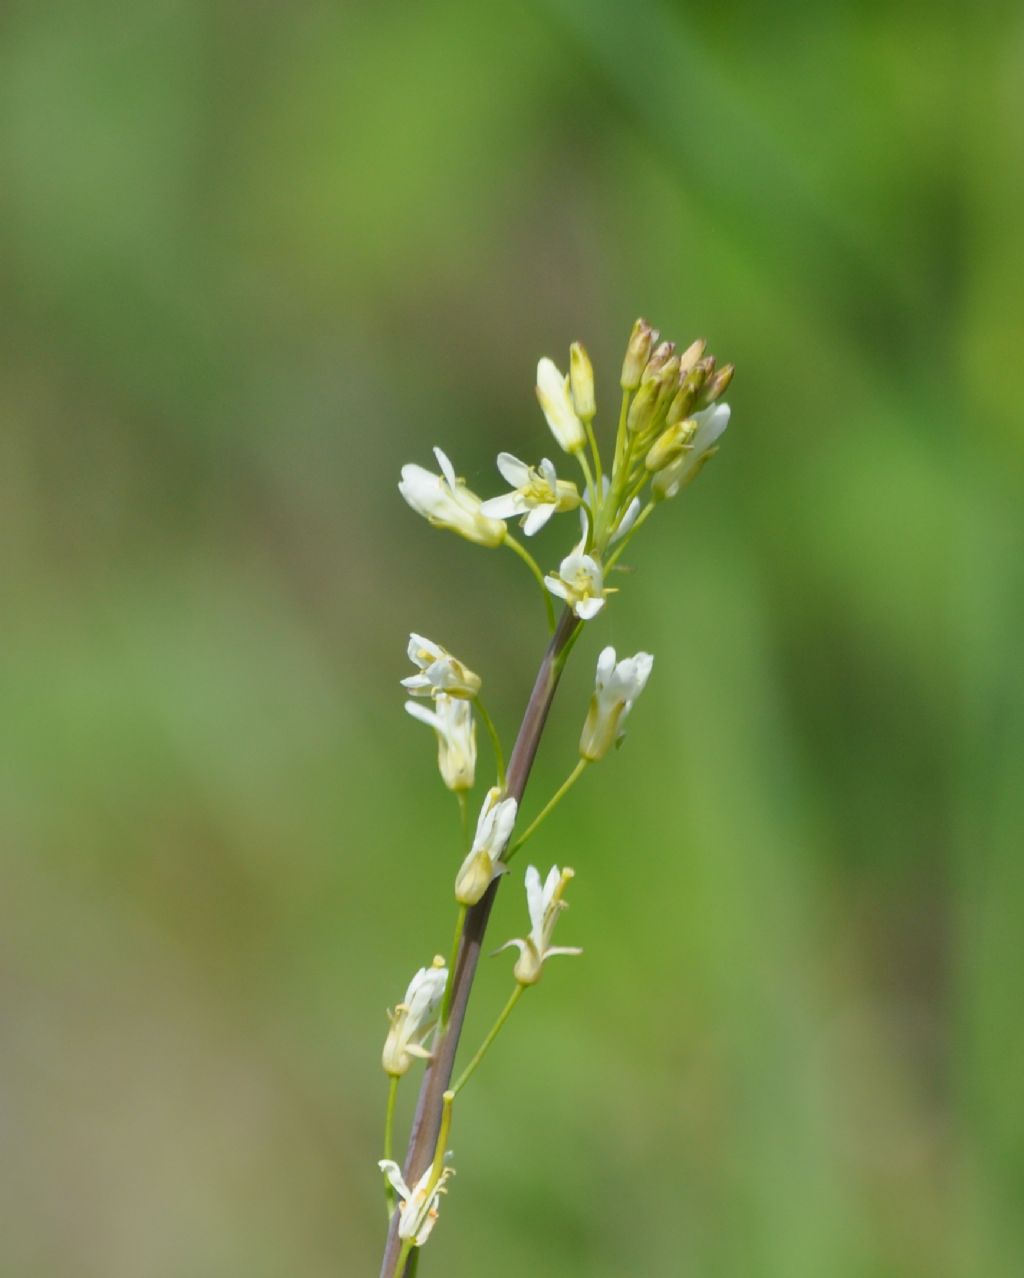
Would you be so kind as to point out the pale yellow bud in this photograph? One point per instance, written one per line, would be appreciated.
(638, 351)
(581, 379)
(670, 444)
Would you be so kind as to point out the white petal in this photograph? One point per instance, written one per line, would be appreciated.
(513, 471)
(534, 897)
(627, 521)
(424, 715)
(556, 586)
(447, 469)
(588, 608)
(503, 507)
(394, 1174)
(537, 518)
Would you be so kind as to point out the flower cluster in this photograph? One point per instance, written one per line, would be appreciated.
(670, 421)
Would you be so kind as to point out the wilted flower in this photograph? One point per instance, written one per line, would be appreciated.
(616, 687)
(417, 1208)
(414, 1018)
(439, 671)
(483, 861)
(711, 422)
(452, 720)
(537, 493)
(556, 401)
(445, 501)
(544, 905)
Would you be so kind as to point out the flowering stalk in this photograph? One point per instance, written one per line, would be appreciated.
(668, 427)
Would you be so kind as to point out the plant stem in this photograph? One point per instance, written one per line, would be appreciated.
(389, 1129)
(531, 563)
(547, 809)
(596, 452)
(514, 998)
(492, 731)
(427, 1118)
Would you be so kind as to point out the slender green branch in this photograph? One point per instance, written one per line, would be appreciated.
(446, 1006)
(531, 563)
(492, 732)
(610, 562)
(592, 490)
(548, 808)
(402, 1257)
(389, 1139)
(596, 454)
(464, 1077)
(442, 1140)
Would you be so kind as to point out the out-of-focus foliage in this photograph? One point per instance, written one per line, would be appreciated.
(254, 257)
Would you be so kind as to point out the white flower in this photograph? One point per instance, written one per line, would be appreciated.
(439, 671)
(580, 581)
(537, 493)
(414, 1018)
(544, 904)
(483, 861)
(711, 422)
(417, 1208)
(616, 687)
(445, 501)
(556, 401)
(452, 720)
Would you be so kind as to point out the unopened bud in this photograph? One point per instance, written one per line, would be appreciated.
(716, 386)
(581, 379)
(670, 445)
(660, 356)
(638, 350)
(691, 355)
(642, 408)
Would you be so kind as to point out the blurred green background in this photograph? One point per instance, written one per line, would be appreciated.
(255, 257)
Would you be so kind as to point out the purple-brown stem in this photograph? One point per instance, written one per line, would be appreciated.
(427, 1118)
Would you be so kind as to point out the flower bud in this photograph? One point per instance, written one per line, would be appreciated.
(642, 407)
(691, 355)
(660, 356)
(641, 339)
(581, 380)
(716, 386)
(670, 444)
(554, 398)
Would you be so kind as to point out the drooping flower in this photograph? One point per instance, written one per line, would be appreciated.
(483, 861)
(439, 671)
(711, 422)
(414, 1018)
(616, 686)
(417, 1208)
(452, 720)
(536, 493)
(580, 581)
(556, 401)
(445, 501)
(544, 904)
